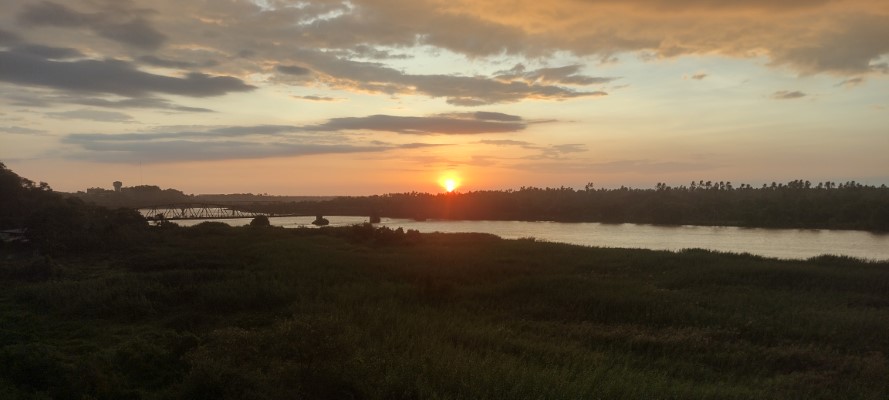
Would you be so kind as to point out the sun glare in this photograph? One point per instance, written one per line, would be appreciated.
(449, 183)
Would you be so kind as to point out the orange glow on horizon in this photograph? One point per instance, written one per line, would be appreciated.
(449, 182)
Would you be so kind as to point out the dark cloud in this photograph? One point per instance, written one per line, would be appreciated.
(420, 125)
(8, 38)
(109, 76)
(40, 98)
(48, 52)
(92, 115)
(165, 63)
(787, 94)
(125, 29)
(293, 70)
(699, 76)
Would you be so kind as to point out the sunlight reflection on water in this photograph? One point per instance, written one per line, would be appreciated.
(781, 243)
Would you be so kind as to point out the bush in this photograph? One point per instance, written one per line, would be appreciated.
(260, 221)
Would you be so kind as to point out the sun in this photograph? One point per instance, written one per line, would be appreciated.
(449, 183)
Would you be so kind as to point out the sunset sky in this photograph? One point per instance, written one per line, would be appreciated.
(320, 97)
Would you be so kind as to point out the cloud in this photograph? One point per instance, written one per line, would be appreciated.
(369, 52)
(567, 75)
(18, 130)
(337, 135)
(787, 95)
(293, 70)
(118, 26)
(93, 115)
(109, 76)
(458, 90)
(141, 102)
(186, 150)
(215, 143)
(8, 38)
(165, 63)
(506, 142)
(41, 98)
(316, 98)
(699, 76)
(853, 49)
(442, 124)
(48, 52)
(851, 82)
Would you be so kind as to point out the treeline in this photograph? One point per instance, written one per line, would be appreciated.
(150, 195)
(795, 204)
(132, 197)
(58, 224)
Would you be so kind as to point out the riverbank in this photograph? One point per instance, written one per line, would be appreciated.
(219, 312)
(797, 244)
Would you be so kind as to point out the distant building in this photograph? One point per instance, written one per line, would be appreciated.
(117, 185)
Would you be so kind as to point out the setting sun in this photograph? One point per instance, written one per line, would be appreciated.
(449, 183)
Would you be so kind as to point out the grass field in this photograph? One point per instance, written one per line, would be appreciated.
(213, 312)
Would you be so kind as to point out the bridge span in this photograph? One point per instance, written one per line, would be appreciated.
(198, 211)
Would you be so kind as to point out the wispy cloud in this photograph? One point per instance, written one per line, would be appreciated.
(92, 115)
(18, 130)
(437, 124)
(787, 95)
(316, 98)
(109, 76)
(337, 135)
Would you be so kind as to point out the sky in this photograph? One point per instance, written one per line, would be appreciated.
(319, 97)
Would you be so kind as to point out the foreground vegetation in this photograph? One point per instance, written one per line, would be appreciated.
(215, 312)
(97, 304)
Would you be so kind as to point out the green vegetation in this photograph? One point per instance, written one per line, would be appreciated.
(219, 312)
(99, 305)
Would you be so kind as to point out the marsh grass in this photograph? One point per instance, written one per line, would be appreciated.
(267, 313)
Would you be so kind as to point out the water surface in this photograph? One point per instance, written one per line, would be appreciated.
(780, 243)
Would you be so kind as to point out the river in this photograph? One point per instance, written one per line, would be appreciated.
(779, 243)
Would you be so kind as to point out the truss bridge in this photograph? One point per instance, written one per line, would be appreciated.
(196, 211)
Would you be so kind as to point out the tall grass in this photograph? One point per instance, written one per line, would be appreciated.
(217, 312)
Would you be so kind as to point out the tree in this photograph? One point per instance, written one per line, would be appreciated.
(260, 221)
